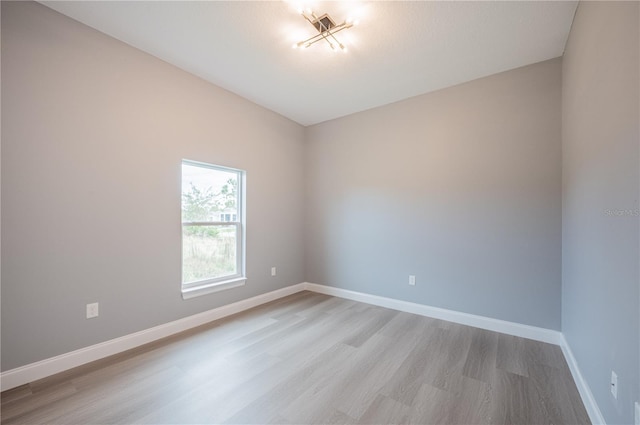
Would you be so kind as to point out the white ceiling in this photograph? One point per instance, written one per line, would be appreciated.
(399, 49)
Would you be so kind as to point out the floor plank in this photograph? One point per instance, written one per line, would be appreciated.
(511, 355)
(481, 358)
(313, 359)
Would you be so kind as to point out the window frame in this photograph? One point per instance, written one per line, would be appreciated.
(206, 286)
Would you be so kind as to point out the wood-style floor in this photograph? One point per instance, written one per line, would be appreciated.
(311, 358)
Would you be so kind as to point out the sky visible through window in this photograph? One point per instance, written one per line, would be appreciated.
(203, 178)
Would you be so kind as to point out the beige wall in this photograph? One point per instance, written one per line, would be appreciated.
(93, 133)
(459, 187)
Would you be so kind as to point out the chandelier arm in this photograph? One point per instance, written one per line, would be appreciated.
(336, 40)
(311, 40)
(307, 18)
(323, 32)
(324, 36)
(321, 35)
(337, 29)
(340, 27)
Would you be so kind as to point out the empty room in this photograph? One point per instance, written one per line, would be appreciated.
(321, 212)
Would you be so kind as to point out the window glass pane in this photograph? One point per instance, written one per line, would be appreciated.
(208, 252)
(208, 194)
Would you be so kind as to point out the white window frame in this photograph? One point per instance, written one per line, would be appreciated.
(207, 286)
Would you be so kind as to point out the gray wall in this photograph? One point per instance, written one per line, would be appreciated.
(460, 187)
(93, 132)
(600, 299)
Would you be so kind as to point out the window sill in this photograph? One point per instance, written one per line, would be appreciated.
(209, 288)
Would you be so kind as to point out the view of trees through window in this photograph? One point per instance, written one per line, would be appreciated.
(210, 225)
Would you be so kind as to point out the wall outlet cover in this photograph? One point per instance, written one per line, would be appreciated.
(92, 310)
(614, 384)
(637, 413)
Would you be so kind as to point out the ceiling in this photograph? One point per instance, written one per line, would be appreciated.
(399, 49)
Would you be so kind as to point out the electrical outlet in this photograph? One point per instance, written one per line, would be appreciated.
(637, 412)
(273, 271)
(412, 280)
(92, 310)
(614, 384)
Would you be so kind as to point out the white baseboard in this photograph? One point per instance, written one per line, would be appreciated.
(583, 388)
(38, 370)
(502, 326)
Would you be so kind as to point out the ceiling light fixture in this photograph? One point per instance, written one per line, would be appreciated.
(326, 28)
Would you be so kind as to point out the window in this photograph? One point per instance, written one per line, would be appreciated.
(228, 217)
(212, 228)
